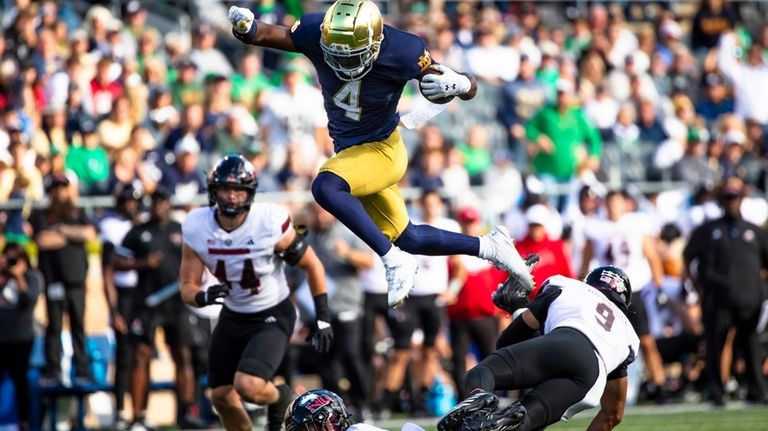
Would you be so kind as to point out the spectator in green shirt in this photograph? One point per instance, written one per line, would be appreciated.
(187, 89)
(477, 157)
(249, 81)
(562, 140)
(89, 161)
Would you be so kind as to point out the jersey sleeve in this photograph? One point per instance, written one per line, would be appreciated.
(621, 370)
(278, 221)
(540, 305)
(305, 33)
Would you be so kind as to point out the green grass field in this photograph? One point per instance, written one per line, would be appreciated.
(700, 417)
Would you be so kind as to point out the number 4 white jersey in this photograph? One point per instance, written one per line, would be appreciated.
(587, 310)
(244, 257)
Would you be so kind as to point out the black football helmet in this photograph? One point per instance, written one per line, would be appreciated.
(317, 410)
(613, 282)
(232, 171)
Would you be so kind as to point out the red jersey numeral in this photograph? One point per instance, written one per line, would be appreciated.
(248, 279)
(605, 317)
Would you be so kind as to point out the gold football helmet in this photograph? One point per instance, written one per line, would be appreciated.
(352, 32)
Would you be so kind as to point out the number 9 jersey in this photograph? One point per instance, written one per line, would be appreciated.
(245, 258)
(565, 302)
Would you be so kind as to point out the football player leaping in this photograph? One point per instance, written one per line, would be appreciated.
(363, 66)
(245, 245)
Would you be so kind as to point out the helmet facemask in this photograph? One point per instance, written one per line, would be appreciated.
(350, 64)
(350, 37)
(232, 172)
(227, 209)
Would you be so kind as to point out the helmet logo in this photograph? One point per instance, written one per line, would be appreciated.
(318, 402)
(613, 280)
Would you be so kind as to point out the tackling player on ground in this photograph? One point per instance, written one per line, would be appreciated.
(245, 245)
(580, 361)
(363, 66)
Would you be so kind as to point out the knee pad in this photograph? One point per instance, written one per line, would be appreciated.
(325, 185)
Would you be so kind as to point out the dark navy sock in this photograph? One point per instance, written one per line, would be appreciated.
(332, 193)
(431, 241)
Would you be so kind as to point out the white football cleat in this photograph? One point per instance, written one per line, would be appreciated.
(506, 257)
(401, 277)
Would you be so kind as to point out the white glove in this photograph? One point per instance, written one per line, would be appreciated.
(450, 83)
(241, 19)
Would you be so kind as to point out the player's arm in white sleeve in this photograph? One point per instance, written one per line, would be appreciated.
(611, 406)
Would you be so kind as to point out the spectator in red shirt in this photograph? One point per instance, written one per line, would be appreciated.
(104, 89)
(554, 258)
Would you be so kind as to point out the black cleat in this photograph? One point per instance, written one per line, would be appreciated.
(507, 419)
(531, 260)
(478, 402)
(276, 411)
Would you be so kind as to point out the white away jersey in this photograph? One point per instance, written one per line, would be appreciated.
(620, 243)
(587, 310)
(244, 257)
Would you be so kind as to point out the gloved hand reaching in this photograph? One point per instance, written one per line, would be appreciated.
(213, 295)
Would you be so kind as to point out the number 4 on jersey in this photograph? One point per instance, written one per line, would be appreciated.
(248, 280)
(348, 99)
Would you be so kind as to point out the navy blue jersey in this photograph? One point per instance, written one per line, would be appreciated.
(364, 110)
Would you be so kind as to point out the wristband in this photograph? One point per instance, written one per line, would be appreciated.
(200, 299)
(322, 312)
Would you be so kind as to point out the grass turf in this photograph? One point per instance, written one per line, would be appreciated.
(674, 418)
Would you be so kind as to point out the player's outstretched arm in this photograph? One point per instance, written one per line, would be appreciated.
(611, 406)
(251, 31)
(294, 250)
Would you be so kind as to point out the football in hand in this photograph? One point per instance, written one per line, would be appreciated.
(429, 71)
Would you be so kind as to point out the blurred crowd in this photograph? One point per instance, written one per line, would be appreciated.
(580, 105)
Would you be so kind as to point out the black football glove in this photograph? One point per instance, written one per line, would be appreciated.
(213, 295)
(321, 336)
(247, 37)
(512, 295)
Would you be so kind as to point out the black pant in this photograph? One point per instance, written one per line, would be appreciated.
(124, 348)
(346, 360)
(482, 332)
(560, 366)
(73, 304)
(716, 322)
(15, 359)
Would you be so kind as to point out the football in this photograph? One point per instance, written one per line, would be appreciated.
(429, 71)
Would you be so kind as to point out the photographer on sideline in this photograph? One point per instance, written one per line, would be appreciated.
(20, 285)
